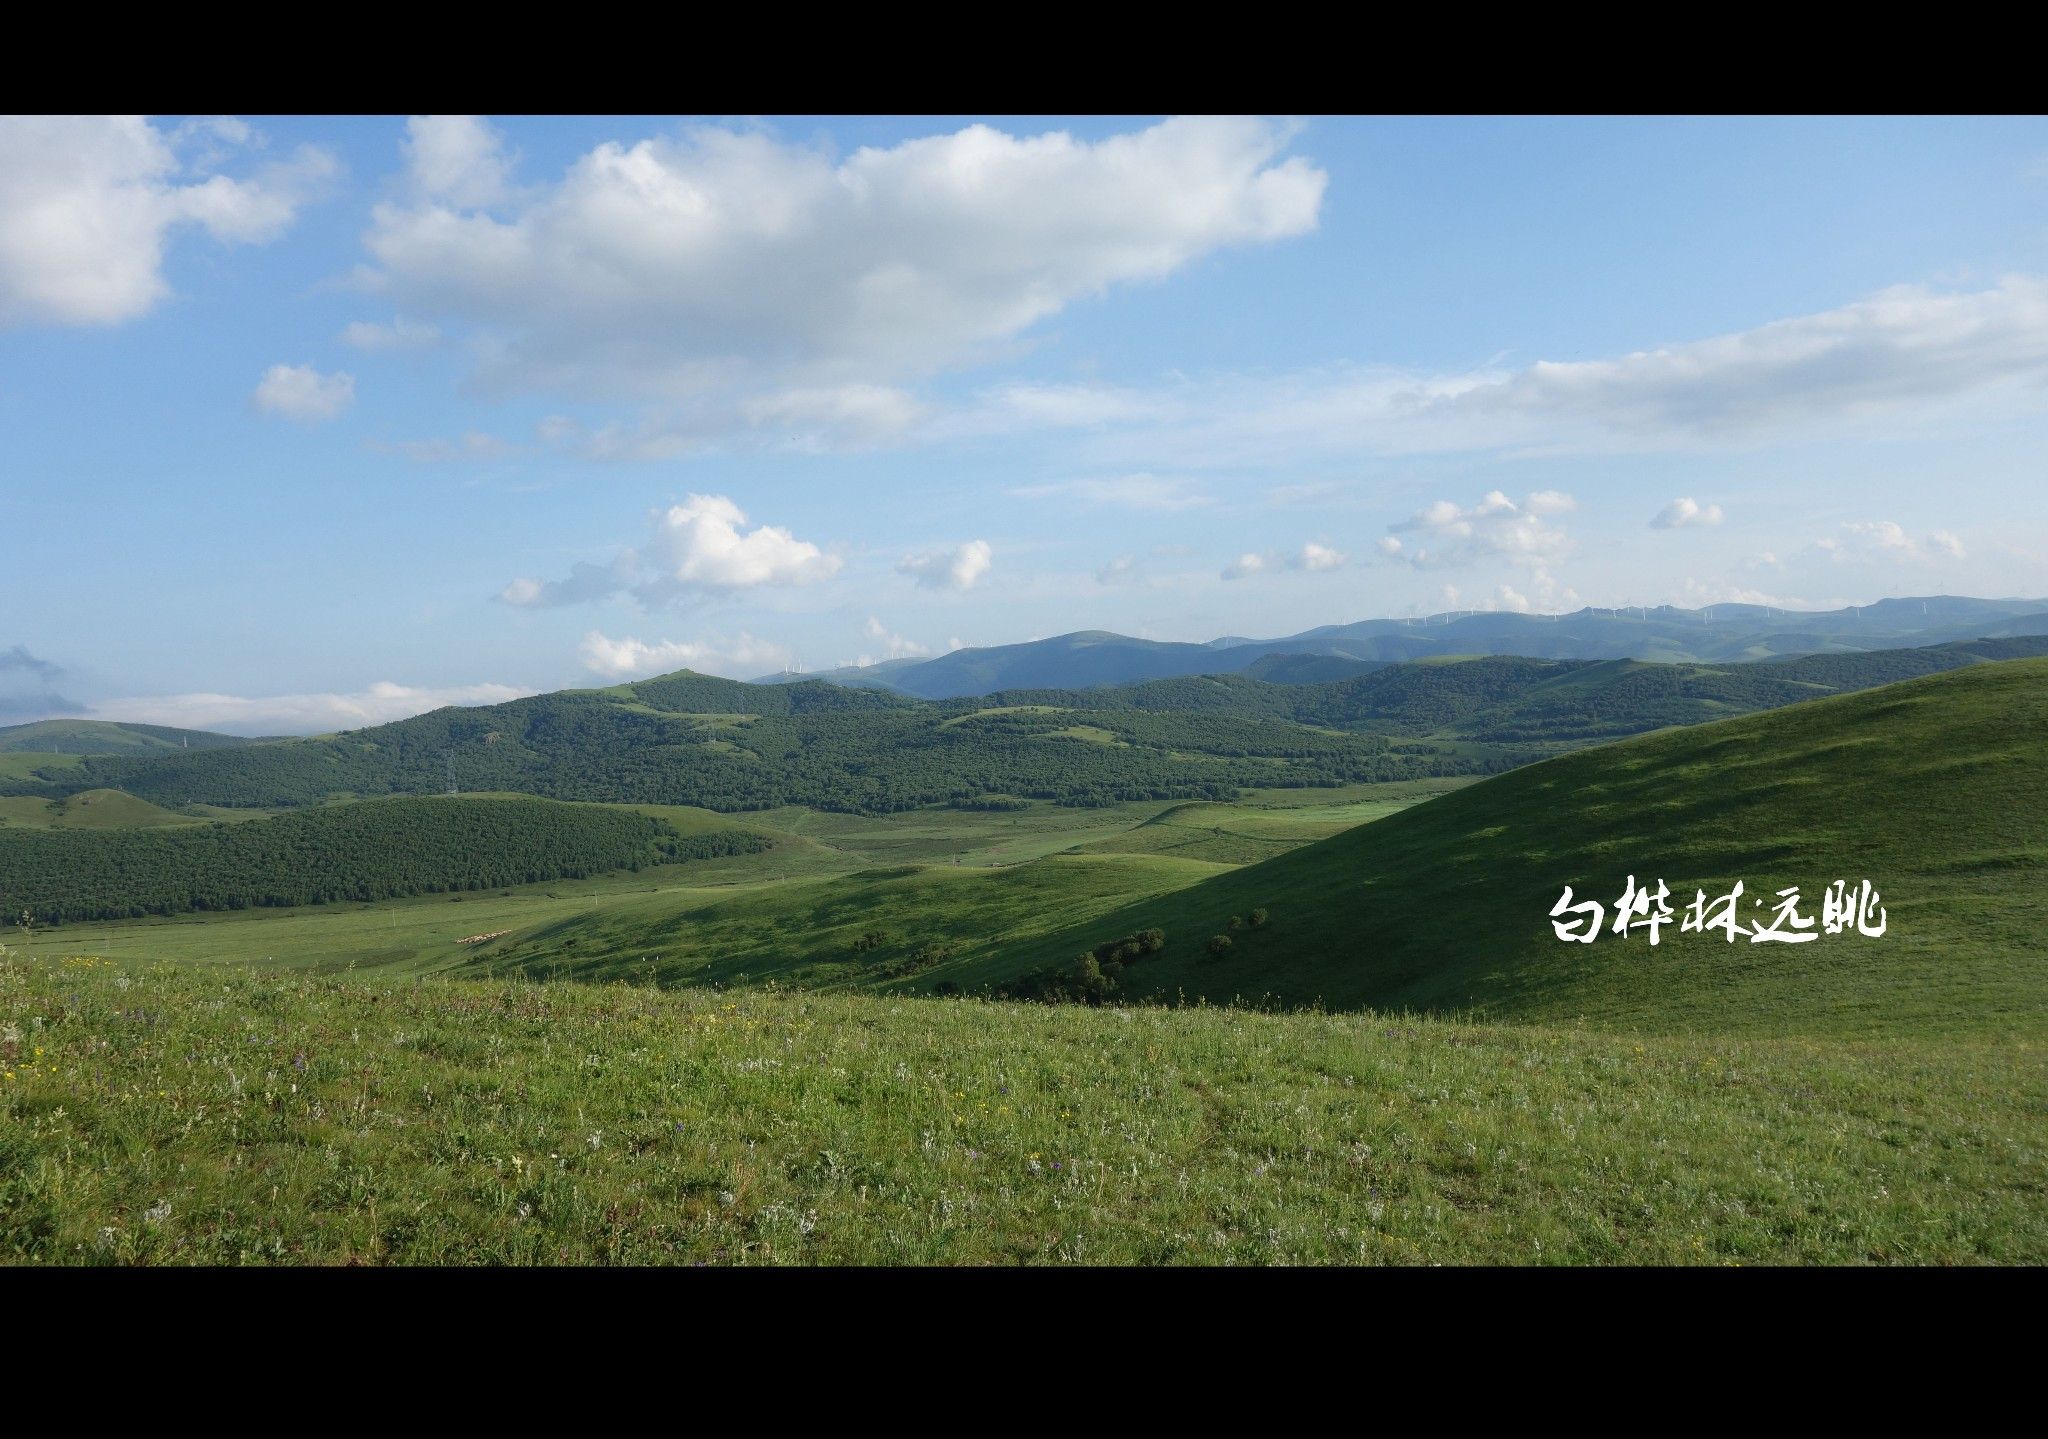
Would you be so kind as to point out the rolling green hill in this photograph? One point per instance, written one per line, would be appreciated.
(696, 740)
(89, 809)
(1935, 790)
(31, 769)
(84, 736)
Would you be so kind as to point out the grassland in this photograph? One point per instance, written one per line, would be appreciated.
(793, 910)
(207, 1115)
(775, 1085)
(23, 765)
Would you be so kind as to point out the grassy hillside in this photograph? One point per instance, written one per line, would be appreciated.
(88, 809)
(1935, 790)
(83, 736)
(160, 1116)
(30, 764)
(1307, 669)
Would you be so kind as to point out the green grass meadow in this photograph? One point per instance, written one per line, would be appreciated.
(234, 1116)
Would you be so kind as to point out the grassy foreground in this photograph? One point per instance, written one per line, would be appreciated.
(173, 1115)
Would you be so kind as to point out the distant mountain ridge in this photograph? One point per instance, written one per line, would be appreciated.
(1713, 634)
(85, 736)
(720, 744)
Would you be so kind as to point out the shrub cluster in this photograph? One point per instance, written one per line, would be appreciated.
(1096, 977)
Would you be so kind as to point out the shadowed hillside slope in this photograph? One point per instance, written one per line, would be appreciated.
(1935, 790)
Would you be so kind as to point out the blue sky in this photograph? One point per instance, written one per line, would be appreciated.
(315, 422)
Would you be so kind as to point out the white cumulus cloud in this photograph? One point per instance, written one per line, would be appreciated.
(701, 546)
(957, 568)
(719, 255)
(1311, 558)
(1883, 540)
(457, 160)
(88, 205)
(704, 544)
(1451, 534)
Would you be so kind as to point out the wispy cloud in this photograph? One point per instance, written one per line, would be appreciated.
(299, 713)
(394, 335)
(302, 393)
(473, 446)
(1903, 354)
(626, 657)
(1131, 492)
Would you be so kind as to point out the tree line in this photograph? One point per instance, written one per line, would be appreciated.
(374, 850)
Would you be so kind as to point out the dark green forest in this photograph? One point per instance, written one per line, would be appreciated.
(378, 850)
(590, 746)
